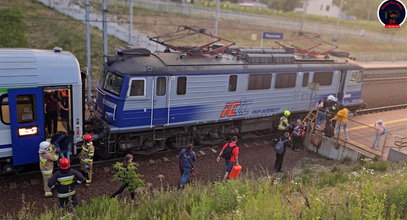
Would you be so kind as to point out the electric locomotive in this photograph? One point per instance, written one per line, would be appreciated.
(151, 101)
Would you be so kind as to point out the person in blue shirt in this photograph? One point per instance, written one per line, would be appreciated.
(187, 159)
(62, 143)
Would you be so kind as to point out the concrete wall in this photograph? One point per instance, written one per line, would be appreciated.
(396, 156)
(328, 149)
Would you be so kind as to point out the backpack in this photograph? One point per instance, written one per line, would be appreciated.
(384, 131)
(279, 147)
(56, 136)
(227, 153)
(329, 130)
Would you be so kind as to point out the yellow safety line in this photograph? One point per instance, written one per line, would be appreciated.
(386, 123)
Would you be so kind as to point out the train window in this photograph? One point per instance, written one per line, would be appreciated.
(137, 87)
(305, 79)
(323, 78)
(113, 83)
(356, 77)
(181, 85)
(25, 109)
(232, 83)
(285, 80)
(259, 81)
(4, 110)
(161, 86)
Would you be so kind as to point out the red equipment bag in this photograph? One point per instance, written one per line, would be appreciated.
(235, 172)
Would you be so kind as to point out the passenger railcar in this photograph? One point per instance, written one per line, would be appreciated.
(26, 77)
(150, 101)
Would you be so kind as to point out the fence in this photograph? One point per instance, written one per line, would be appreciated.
(267, 21)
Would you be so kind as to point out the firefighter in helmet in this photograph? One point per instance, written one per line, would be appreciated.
(65, 181)
(47, 156)
(86, 156)
(283, 125)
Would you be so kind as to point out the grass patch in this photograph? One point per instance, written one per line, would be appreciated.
(327, 196)
(396, 201)
(46, 29)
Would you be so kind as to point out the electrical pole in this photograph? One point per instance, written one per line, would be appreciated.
(104, 22)
(130, 22)
(184, 10)
(337, 22)
(88, 58)
(370, 11)
(304, 8)
(217, 17)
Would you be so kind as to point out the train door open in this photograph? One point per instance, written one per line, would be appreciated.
(26, 123)
(160, 111)
(58, 107)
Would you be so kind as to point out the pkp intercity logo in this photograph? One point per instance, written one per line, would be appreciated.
(391, 13)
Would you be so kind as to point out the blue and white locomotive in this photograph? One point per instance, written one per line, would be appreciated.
(152, 101)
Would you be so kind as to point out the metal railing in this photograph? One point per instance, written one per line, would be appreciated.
(364, 137)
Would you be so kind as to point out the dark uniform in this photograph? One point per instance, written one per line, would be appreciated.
(65, 182)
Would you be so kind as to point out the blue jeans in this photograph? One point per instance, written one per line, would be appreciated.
(376, 141)
(345, 128)
(185, 175)
(65, 154)
(229, 165)
(321, 117)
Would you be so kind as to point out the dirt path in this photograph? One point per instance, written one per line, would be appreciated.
(256, 156)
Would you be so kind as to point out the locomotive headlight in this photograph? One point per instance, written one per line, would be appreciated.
(27, 131)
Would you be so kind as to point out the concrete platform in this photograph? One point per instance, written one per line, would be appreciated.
(362, 134)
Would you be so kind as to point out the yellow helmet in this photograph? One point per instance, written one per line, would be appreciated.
(287, 113)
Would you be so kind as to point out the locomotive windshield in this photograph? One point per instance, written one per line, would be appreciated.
(113, 83)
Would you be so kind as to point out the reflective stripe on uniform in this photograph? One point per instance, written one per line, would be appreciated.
(283, 123)
(46, 172)
(87, 160)
(43, 161)
(64, 195)
(66, 180)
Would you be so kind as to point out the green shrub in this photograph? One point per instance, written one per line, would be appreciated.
(379, 165)
(331, 179)
(128, 176)
(397, 197)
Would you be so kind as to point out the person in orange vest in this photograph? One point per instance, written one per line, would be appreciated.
(86, 156)
(343, 118)
(65, 181)
(47, 156)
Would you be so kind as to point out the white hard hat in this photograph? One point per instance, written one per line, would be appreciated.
(332, 98)
(44, 147)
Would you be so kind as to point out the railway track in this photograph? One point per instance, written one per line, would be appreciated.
(160, 154)
(381, 109)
